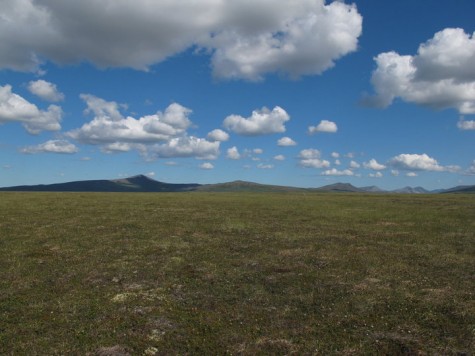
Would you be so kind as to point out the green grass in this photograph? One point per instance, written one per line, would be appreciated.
(224, 273)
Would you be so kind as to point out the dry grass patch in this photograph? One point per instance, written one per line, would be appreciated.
(236, 274)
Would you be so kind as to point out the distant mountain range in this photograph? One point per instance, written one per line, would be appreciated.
(141, 183)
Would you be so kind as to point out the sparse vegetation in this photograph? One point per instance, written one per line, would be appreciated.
(229, 273)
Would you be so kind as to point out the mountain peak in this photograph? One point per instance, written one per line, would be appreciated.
(141, 177)
(137, 179)
(411, 190)
(340, 187)
(143, 183)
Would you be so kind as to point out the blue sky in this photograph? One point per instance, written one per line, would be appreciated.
(302, 93)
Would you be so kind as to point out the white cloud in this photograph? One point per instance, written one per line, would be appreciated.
(185, 146)
(354, 165)
(279, 158)
(102, 108)
(441, 75)
(450, 54)
(109, 126)
(265, 166)
(296, 38)
(417, 162)
(286, 141)
(323, 126)
(206, 166)
(233, 153)
(394, 172)
(335, 155)
(150, 174)
(45, 90)
(311, 158)
(466, 124)
(471, 169)
(117, 147)
(161, 135)
(51, 146)
(261, 122)
(218, 135)
(374, 165)
(258, 151)
(336, 172)
(376, 175)
(246, 39)
(337, 162)
(14, 108)
(411, 174)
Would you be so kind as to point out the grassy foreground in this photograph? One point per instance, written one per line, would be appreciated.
(199, 273)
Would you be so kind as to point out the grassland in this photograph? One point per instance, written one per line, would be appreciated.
(204, 273)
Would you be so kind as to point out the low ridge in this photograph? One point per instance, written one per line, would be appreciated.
(340, 187)
(145, 184)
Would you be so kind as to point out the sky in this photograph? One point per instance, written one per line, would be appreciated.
(299, 93)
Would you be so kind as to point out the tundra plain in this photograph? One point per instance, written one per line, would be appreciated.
(236, 273)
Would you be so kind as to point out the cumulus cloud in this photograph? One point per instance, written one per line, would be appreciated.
(51, 146)
(411, 174)
(441, 75)
(374, 165)
(466, 124)
(102, 108)
(336, 172)
(45, 90)
(292, 37)
(14, 108)
(279, 158)
(471, 169)
(245, 39)
(118, 147)
(218, 135)
(161, 135)
(185, 146)
(109, 126)
(311, 158)
(233, 153)
(265, 166)
(206, 166)
(323, 126)
(354, 165)
(286, 142)
(376, 175)
(261, 122)
(419, 162)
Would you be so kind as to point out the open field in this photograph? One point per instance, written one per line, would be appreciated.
(224, 273)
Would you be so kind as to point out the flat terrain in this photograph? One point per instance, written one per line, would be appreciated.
(228, 273)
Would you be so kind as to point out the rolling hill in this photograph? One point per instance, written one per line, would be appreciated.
(144, 184)
(139, 183)
(243, 186)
